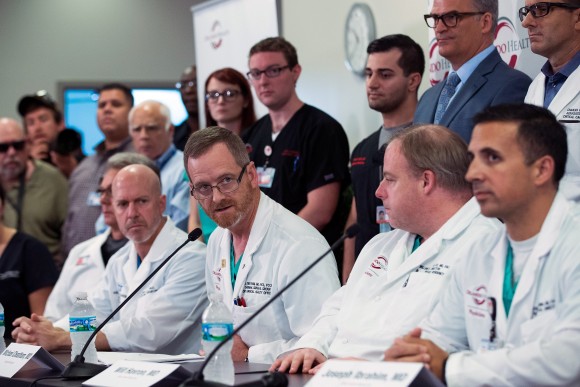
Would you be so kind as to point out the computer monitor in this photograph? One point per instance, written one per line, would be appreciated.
(79, 105)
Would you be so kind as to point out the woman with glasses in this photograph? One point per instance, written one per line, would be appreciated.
(27, 273)
(228, 100)
(229, 104)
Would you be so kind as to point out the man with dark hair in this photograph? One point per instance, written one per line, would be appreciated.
(554, 33)
(66, 152)
(399, 275)
(257, 249)
(393, 74)
(115, 102)
(511, 315)
(187, 86)
(301, 153)
(465, 30)
(42, 120)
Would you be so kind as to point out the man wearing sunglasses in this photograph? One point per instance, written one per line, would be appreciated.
(301, 153)
(478, 78)
(554, 31)
(36, 192)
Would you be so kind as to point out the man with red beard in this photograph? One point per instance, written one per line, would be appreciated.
(257, 249)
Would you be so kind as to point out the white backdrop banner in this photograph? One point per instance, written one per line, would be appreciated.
(224, 31)
(511, 41)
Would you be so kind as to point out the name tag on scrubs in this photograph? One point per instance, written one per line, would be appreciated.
(487, 345)
(266, 176)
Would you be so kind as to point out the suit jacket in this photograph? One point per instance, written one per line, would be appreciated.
(492, 83)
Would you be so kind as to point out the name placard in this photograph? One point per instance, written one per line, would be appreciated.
(365, 374)
(137, 373)
(16, 356)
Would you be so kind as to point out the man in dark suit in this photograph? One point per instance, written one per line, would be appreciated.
(479, 78)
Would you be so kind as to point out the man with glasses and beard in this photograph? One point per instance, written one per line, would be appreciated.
(36, 192)
(257, 249)
(478, 78)
(301, 153)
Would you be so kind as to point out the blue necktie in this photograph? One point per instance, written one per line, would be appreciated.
(446, 95)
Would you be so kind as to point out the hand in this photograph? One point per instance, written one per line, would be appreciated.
(413, 348)
(37, 330)
(305, 358)
(240, 349)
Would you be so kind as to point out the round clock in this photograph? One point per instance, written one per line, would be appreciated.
(359, 31)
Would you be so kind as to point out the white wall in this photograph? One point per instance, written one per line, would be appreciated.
(43, 42)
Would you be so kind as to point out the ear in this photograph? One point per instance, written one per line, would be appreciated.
(428, 181)
(296, 71)
(543, 172)
(162, 203)
(414, 82)
(486, 23)
(252, 174)
(171, 130)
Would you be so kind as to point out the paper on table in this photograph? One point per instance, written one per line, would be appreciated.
(112, 357)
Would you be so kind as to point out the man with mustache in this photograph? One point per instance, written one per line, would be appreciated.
(258, 248)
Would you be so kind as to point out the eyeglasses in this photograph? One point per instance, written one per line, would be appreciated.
(226, 185)
(104, 190)
(228, 95)
(185, 85)
(271, 72)
(17, 145)
(449, 19)
(541, 9)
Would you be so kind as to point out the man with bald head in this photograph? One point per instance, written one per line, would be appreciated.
(187, 85)
(36, 192)
(152, 133)
(165, 316)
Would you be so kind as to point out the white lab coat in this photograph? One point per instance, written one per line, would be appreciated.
(566, 107)
(280, 246)
(82, 270)
(165, 316)
(542, 333)
(391, 289)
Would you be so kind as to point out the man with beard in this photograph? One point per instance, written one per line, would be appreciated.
(394, 69)
(36, 201)
(188, 88)
(257, 249)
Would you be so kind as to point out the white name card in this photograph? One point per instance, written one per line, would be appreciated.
(365, 374)
(135, 373)
(16, 356)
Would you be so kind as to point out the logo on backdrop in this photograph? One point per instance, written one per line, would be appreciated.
(215, 37)
(438, 66)
(508, 43)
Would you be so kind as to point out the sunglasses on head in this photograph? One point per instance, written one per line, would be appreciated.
(17, 145)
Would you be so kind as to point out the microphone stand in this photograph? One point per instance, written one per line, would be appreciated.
(78, 369)
(197, 380)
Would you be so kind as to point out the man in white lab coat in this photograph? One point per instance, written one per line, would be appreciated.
(258, 248)
(554, 31)
(399, 275)
(165, 316)
(511, 315)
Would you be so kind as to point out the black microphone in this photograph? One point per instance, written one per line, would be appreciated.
(276, 379)
(78, 369)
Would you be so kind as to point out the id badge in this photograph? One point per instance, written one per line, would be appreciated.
(93, 199)
(489, 345)
(265, 176)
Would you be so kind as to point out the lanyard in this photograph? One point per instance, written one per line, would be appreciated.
(509, 284)
(18, 206)
(234, 266)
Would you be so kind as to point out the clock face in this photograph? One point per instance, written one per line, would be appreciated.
(359, 31)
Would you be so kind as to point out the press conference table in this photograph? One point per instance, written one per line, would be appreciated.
(245, 372)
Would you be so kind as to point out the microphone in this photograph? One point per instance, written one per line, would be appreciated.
(274, 379)
(78, 369)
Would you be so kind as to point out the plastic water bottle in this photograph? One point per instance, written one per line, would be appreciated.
(217, 325)
(2, 329)
(82, 323)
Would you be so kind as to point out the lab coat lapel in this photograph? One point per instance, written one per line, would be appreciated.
(495, 283)
(567, 93)
(225, 267)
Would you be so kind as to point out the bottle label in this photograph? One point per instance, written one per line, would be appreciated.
(83, 324)
(216, 331)
(1, 319)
